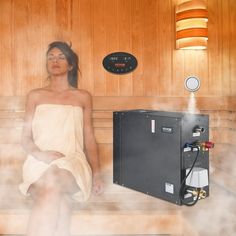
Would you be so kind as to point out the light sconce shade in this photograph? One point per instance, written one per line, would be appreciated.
(191, 25)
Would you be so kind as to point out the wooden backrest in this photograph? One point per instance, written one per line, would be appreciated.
(222, 122)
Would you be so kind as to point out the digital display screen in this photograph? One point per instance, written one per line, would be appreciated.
(119, 65)
(120, 62)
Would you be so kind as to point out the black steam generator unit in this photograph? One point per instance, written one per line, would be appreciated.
(162, 154)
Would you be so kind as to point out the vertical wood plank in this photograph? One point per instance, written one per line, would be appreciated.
(86, 45)
(178, 73)
(233, 47)
(63, 21)
(21, 46)
(112, 44)
(151, 44)
(76, 33)
(124, 24)
(99, 41)
(214, 48)
(202, 72)
(35, 50)
(225, 25)
(137, 46)
(166, 40)
(48, 33)
(7, 83)
(189, 66)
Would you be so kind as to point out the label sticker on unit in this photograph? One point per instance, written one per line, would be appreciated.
(153, 122)
(169, 188)
(167, 130)
(187, 149)
(196, 134)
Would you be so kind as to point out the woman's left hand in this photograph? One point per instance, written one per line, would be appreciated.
(98, 186)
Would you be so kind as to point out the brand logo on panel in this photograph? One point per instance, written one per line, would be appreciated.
(168, 130)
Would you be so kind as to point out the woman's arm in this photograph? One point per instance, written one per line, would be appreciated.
(89, 139)
(91, 149)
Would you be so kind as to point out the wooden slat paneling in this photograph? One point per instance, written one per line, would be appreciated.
(222, 124)
(7, 82)
(85, 23)
(99, 47)
(150, 44)
(201, 71)
(225, 17)
(232, 46)
(112, 35)
(137, 46)
(215, 47)
(125, 43)
(144, 28)
(166, 47)
(96, 28)
(104, 103)
(63, 20)
(34, 51)
(21, 47)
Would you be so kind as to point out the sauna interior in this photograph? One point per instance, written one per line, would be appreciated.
(146, 29)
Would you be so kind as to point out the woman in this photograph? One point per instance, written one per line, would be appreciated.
(57, 134)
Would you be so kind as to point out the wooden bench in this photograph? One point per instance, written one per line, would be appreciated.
(118, 210)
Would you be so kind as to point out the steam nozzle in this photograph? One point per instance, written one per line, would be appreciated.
(199, 129)
(192, 84)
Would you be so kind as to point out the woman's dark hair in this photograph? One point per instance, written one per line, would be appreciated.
(71, 58)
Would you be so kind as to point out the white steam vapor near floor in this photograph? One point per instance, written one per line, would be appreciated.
(213, 216)
(216, 215)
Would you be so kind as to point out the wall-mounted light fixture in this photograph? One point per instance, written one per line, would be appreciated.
(191, 25)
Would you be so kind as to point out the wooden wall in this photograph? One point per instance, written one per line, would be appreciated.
(145, 28)
(98, 27)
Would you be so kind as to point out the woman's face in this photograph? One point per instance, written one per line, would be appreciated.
(57, 63)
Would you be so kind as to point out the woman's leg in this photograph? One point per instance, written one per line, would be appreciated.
(69, 186)
(64, 217)
(49, 202)
(47, 197)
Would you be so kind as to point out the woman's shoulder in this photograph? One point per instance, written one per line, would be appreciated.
(84, 93)
(35, 95)
(36, 91)
(83, 96)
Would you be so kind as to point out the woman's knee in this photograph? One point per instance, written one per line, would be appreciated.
(47, 186)
(54, 182)
(45, 192)
(68, 182)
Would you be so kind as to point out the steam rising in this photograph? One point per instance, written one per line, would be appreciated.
(215, 215)
(192, 105)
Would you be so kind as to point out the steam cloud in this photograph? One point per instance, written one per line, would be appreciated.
(213, 216)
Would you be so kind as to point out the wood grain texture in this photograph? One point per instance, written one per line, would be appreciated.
(7, 84)
(232, 46)
(96, 28)
(221, 111)
(145, 28)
